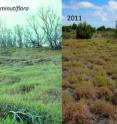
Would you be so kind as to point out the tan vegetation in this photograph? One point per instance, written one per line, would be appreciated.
(89, 79)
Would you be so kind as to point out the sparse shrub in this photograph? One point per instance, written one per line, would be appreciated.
(84, 31)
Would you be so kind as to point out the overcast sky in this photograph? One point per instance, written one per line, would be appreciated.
(13, 18)
(95, 12)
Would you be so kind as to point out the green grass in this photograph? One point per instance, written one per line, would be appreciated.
(31, 79)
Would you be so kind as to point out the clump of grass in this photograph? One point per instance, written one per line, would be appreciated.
(105, 93)
(9, 79)
(25, 88)
(8, 120)
(102, 81)
(67, 98)
(85, 91)
(76, 113)
(114, 97)
(104, 109)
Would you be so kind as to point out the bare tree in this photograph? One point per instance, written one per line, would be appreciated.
(51, 26)
(9, 38)
(34, 25)
(27, 38)
(19, 35)
(43, 29)
(3, 36)
(14, 40)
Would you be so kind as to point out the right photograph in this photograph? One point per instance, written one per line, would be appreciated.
(89, 62)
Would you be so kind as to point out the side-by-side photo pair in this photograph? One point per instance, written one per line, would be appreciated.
(58, 62)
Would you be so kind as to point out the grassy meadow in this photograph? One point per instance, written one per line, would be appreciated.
(30, 86)
(89, 79)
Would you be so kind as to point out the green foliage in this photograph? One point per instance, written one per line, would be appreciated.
(116, 32)
(8, 120)
(74, 26)
(109, 29)
(66, 28)
(101, 28)
(84, 31)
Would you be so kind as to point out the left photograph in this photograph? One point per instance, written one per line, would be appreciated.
(30, 62)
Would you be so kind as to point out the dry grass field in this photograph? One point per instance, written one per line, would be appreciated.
(89, 80)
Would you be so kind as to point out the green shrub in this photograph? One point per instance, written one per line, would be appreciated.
(101, 28)
(116, 32)
(74, 26)
(84, 31)
(110, 29)
(66, 28)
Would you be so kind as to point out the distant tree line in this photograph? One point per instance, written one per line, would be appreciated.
(86, 31)
(43, 29)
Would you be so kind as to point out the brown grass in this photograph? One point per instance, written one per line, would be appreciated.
(89, 73)
(104, 109)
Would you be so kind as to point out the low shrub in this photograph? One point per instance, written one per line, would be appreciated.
(84, 31)
(101, 28)
(66, 28)
(74, 26)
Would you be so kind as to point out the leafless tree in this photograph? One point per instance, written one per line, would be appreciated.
(38, 36)
(3, 37)
(27, 38)
(51, 26)
(43, 29)
(9, 38)
(19, 35)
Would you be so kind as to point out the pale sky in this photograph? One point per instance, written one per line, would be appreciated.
(12, 18)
